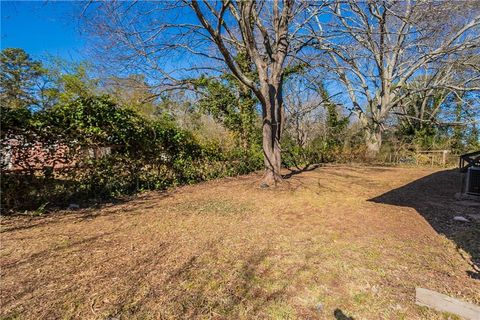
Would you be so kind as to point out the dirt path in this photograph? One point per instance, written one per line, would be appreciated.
(330, 243)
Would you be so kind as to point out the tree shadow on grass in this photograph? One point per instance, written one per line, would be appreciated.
(120, 206)
(293, 172)
(433, 196)
(189, 292)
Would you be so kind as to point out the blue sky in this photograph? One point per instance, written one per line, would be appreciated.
(42, 27)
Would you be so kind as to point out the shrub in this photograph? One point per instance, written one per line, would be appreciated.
(136, 154)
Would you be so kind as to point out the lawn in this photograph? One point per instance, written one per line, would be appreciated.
(331, 243)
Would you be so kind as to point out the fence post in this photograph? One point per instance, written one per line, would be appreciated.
(444, 157)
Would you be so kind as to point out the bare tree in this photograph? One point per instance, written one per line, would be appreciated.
(377, 47)
(266, 39)
(262, 31)
(433, 98)
(304, 109)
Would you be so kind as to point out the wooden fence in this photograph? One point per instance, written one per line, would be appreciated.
(433, 158)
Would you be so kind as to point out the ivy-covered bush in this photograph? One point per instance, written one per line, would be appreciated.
(106, 151)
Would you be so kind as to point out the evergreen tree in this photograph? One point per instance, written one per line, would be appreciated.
(19, 75)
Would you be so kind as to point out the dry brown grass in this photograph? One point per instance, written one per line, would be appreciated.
(314, 248)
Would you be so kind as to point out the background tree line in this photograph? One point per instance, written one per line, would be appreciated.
(117, 136)
(195, 90)
(384, 62)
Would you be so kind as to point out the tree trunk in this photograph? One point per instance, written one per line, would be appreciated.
(373, 141)
(272, 129)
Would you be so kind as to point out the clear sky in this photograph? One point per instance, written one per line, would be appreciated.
(42, 27)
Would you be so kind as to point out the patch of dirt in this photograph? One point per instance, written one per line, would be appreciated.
(335, 242)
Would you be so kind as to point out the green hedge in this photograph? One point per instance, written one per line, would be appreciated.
(145, 155)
